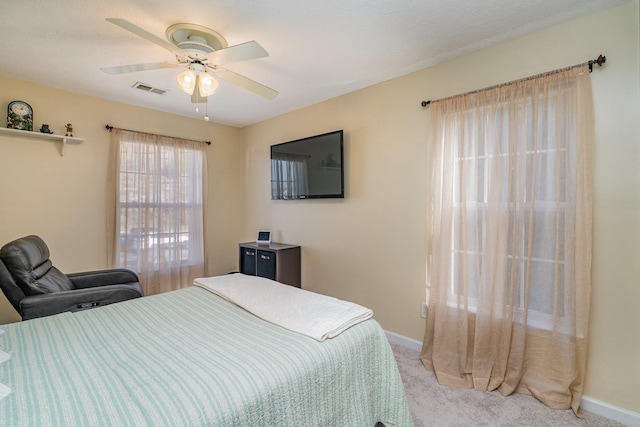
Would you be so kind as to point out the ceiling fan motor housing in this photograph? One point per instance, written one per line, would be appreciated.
(196, 47)
(197, 41)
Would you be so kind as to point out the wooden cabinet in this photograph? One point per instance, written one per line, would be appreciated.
(275, 261)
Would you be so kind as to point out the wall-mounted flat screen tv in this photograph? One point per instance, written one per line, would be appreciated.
(308, 168)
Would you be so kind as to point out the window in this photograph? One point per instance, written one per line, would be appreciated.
(159, 208)
(520, 181)
(509, 167)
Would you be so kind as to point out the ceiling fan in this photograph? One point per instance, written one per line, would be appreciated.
(202, 52)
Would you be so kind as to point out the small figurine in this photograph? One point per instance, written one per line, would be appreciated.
(45, 129)
(69, 127)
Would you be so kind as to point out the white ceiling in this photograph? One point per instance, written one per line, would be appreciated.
(318, 49)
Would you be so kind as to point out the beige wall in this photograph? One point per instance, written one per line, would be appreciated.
(63, 199)
(370, 247)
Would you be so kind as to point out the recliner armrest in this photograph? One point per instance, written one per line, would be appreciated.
(89, 279)
(76, 300)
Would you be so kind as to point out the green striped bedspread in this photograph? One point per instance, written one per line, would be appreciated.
(190, 358)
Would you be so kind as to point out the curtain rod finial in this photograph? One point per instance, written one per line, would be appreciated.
(601, 59)
(425, 103)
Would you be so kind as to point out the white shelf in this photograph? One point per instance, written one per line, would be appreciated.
(46, 136)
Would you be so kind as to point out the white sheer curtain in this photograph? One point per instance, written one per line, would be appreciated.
(289, 176)
(157, 189)
(510, 237)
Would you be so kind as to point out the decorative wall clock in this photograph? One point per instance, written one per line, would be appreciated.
(20, 116)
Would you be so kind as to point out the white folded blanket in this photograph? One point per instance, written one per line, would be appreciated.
(315, 315)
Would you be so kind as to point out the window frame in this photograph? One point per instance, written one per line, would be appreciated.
(455, 297)
(154, 239)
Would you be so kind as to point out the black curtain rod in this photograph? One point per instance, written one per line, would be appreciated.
(601, 59)
(110, 128)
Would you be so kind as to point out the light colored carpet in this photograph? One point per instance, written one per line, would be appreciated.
(432, 404)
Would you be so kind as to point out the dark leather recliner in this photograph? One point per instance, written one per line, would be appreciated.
(36, 288)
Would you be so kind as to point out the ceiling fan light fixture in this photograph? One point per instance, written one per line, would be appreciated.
(187, 81)
(207, 85)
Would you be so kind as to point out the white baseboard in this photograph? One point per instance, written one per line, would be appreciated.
(595, 406)
(616, 413)
(404, 341)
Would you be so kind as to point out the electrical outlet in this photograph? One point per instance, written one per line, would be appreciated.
(424, 309)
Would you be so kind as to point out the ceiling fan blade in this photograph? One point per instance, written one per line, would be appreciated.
(123, 23)
(137, 67)
(247, 83)
(239, 52)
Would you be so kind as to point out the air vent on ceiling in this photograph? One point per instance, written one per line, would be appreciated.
(149, 88)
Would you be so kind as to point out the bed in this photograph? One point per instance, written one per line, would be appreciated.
(193, 358)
